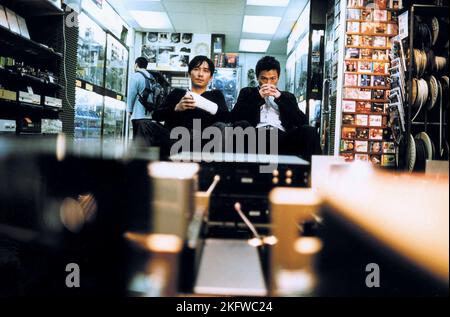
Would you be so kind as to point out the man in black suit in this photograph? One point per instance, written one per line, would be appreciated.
(265, 107)
(179, 109)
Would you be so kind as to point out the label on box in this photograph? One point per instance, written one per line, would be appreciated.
(26, 97)
(52, 102)
(8, 95)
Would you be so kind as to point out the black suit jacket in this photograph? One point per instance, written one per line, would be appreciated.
(248, 108)
(173, 119)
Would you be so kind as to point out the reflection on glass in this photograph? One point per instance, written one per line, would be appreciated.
(227, 80)
(91, 51)
(88, 114)
(116, 66)
(114, 119)
(301, 69)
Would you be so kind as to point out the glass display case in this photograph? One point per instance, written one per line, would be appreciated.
(91, 51)
(227, 80)
(88, 114)
(301, 69)
(114, 119)
(116, 66)
(304, 67)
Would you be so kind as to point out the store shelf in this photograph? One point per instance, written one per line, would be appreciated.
(367, 60)
(363, 126)
(14, 110)
(371, 34)
(368, 100)
(373, 8)
(33, 79)
(369, 47)
(430, 9)
(34, 7)
(371, 74)
(366, 113)
(364, 140)
(368, 153)
(371, 21)
(428, 123)
(369, 87)
(21, 46)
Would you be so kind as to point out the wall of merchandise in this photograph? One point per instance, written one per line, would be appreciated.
(30, 78)
(365, 135)
(102, 74)
(422, 64)
(304, 65)
(170, 54)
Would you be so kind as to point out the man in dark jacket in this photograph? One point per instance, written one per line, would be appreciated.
(181, 107)
(265, 107)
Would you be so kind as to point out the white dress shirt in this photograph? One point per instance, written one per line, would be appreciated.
(270, 115)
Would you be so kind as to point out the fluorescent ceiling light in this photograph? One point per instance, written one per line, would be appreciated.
(256, 46)
(151, 20)
(269, 3)
(260, 24)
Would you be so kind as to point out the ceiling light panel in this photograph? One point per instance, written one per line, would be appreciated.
(151, 20)
(269, 3)
(260, 24)
(256, 46)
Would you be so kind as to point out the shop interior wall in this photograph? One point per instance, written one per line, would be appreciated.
(249, 60)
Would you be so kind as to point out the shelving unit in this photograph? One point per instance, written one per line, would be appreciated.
(43, 53)
(29, 78)
(35, 7)
(427, 121)
(364, 42)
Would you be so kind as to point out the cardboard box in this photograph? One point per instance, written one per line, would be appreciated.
(8, 95)
(27, 97)
(52, 102)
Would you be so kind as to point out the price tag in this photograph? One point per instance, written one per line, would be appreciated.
(78, 83)
(89, 87)
(403, 30)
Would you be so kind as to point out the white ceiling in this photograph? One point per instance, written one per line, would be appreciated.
(216, 16)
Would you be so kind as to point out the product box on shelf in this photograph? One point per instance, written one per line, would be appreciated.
(30, 98)
(52, 102)
(8, 95)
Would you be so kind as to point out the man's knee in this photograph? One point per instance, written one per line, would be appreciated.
(241, 124)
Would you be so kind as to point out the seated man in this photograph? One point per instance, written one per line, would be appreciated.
(180, 107)
(266, 107)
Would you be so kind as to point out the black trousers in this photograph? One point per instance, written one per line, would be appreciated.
(301, 141)
(148, 133)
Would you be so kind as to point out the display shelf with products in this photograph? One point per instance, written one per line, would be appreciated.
(425, 99)
(306, 59)
(330, 83)
(116, 66)
(16, 45)
(91, 51)
(102, 79)
(36, 7)
(32, 79)
(31, 70)
(365, 79)
(13, 110)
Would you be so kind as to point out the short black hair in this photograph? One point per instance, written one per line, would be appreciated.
(198, 60)
(267, 63)
(142, 62)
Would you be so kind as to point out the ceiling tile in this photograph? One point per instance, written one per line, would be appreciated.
(195, 23)
(224, 23)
